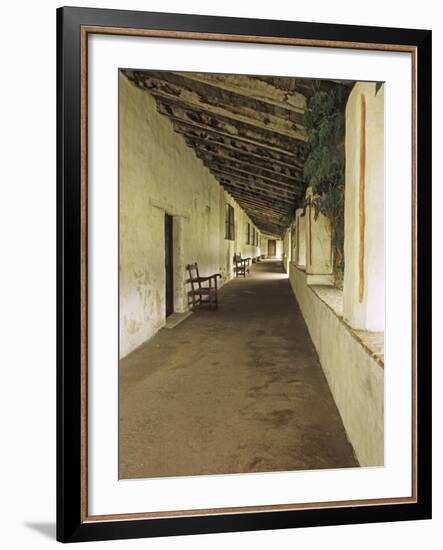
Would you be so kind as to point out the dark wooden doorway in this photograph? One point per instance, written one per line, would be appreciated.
(272, 247)
(169, 277)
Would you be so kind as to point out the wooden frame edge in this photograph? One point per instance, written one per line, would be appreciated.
(85, 31)
(282, 41)
(86, 519)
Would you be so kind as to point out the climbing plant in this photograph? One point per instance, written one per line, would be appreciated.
(324, 169)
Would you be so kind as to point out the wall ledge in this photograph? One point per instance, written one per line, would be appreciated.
(353, 363)
(332, 297)
(372, 342)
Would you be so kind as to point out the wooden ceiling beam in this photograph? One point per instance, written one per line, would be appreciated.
(290, 170)
(226, 126)
(215, 100)
(264, 194)
(251, 208)
(265, 207)
(263, 150)
(253, 86)
(260, 200)
(259, 219)
(249, 169)
(275, 230)
(254, 182)
(289, 85)
(267, 228)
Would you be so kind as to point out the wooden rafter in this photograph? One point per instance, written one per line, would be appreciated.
(195, 94)
(247, 157)
(249, 169)
(247, 130)
(293, 158)
(270, 192)
(228, 126)
(251, 86)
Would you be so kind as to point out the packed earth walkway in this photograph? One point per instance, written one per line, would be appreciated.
(235, 390)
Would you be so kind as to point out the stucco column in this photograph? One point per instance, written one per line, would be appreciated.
(287, 247)
(318, 247)
(300, 238)
(179, 265)
(364, 277)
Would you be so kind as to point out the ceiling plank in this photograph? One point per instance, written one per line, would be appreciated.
(254, 206)
(196, 95)
(252, 210)
(289, 85)
(290, 158)
(253, 86)
(227, 126)
(269, 196)
(283, 181)
(255, 182)
(248, 131)
(228, 152)
(271, 211)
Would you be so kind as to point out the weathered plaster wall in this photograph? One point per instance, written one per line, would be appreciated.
(354, 376)
(318, 246)
(264, 245)
(158, 174)
(364, 277)
(300, 238)
(287, 249)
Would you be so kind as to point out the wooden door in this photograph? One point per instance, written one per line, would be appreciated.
(169, 277)
(272, 247)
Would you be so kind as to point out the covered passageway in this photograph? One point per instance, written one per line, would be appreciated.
(284, 370)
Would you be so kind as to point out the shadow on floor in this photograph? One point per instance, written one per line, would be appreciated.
(236, 390)
(46, 529)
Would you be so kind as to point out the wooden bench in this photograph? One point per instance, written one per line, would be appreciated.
(241, 265)
(203, 289)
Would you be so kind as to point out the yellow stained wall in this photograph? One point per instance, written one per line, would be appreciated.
(159, 174)
(364, 276)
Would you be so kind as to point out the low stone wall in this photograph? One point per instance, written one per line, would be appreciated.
(354, 374)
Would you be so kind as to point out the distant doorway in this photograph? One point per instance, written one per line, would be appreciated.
(169, 267)
(272, 248)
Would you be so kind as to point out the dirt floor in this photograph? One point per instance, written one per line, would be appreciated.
(232, 391)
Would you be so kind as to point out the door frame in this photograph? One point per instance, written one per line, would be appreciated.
(274, 241)
(169, 263)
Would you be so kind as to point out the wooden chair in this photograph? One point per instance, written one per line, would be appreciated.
(241, 265)
(203, 289)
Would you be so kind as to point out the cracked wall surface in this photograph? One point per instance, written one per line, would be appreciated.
(159, 174)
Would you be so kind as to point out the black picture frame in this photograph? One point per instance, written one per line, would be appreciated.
(72, 525)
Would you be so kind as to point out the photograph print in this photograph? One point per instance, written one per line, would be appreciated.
(251, 274)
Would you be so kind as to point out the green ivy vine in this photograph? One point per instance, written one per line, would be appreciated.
(324, 169)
